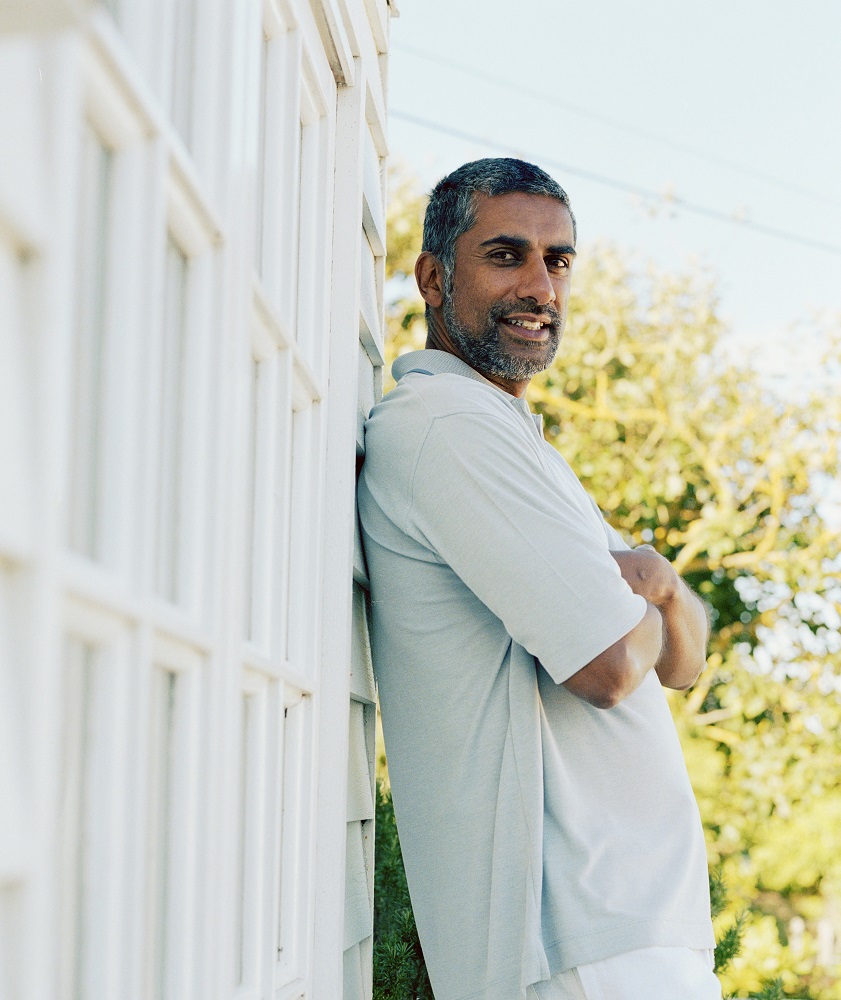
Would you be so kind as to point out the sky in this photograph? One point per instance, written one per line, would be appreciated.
(730, 106)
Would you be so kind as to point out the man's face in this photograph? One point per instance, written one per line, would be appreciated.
(505, 304)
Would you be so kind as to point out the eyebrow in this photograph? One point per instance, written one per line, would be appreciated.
(520, 243)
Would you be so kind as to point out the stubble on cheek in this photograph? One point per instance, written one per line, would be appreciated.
(487, 352)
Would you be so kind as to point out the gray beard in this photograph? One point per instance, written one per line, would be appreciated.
(486, 353)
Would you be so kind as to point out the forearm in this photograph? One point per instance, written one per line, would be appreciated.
(685, 632)
(684, 616)
(620, 669)
(671, 638)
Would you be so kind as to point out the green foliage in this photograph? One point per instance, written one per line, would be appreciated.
(684, 446)
(718, 892)
(728, 945)
(399, 970)
(404, 222)
(730, 940)
(771, 991)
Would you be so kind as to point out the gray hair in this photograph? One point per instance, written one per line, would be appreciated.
(451, 208)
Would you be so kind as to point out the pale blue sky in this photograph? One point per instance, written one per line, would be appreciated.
(756, 83)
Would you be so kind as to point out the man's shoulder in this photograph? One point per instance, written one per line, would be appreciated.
(423, 412)
(421, 397)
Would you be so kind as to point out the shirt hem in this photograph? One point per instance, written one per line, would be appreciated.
(597, 945)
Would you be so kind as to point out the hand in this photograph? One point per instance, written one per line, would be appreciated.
(684, 616)
(648, 574)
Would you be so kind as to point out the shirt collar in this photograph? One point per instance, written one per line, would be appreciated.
(432, 362)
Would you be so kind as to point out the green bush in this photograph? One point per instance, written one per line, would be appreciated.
(399, 969)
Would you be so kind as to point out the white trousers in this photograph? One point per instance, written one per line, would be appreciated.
(648, 974)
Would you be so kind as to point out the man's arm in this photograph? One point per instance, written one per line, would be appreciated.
(685, 623)
(671, 637)
(485, 506)
(614, 674)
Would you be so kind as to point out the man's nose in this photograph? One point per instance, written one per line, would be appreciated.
(535, 283)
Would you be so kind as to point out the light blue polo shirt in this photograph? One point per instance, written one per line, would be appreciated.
(538, 832)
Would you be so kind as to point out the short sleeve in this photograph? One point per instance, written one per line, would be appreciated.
(531, 547)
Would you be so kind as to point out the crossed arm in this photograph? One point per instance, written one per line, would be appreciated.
(671, 638)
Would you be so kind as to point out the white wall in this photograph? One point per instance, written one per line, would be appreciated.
(191, 269)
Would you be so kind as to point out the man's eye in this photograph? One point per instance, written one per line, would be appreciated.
(557, 263)
(503, 255)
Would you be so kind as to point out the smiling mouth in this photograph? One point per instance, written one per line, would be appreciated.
(527, 325)
(528, 329)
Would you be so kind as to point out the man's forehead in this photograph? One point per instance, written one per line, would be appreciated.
(537, 217)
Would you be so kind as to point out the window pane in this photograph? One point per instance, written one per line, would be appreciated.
(308, 238)
(304, 515)
(251, 500)
(16, 400)
(250, 943)
(260, 208)
(295, 847)
(183, 67)
(12, 940)
(247, 714)
(298, 541)
(165, 693)
(91, 276)
(75, 813)
(172, 374)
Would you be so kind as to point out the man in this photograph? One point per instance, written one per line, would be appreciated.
(552, 843)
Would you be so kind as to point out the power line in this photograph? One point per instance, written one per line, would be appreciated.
(614, 123)
(618, 185)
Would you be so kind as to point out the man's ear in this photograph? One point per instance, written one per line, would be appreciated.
(429, 274)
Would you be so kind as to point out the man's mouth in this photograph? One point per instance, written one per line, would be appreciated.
(529, 329)
(526, 324)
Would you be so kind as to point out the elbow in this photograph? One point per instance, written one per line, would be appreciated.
(681, 685)
(615, 686)
(619, 670)
(608, 679)
(606, 699)
(682, 676)
(625, 673)
(689, 680)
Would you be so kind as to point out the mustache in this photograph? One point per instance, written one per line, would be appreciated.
(501, 311)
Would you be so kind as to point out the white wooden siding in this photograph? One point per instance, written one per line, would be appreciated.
(191, 271)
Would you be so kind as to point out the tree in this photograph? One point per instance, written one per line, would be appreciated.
(693, 452)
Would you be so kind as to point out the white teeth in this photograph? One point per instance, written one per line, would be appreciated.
(526, 324)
